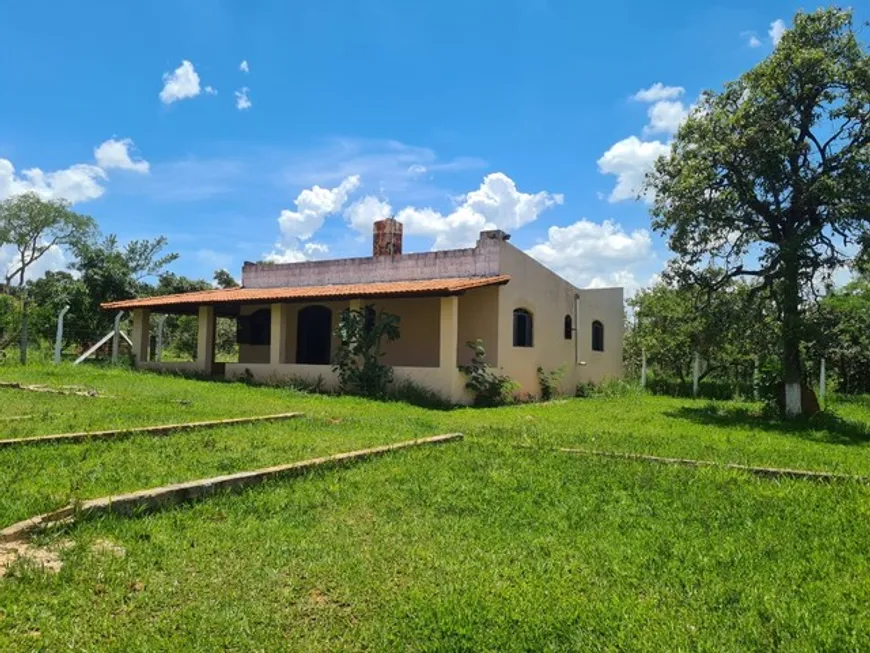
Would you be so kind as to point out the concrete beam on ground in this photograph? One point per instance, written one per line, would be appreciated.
(170, 495)
(163, 429)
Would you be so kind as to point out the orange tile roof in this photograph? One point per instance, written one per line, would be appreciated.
(436, 287)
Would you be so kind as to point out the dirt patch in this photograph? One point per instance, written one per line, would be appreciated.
(46, 558)
(318, 598)
(109, 548)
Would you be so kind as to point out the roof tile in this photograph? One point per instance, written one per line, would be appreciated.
(301, 293)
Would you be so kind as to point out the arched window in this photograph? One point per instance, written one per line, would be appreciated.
(597, 336)
(569, 328)
(522, 328)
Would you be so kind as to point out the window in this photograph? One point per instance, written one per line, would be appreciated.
(569, 328)
(597, 336)
(255, 329)
(522, 328)
(314, 335)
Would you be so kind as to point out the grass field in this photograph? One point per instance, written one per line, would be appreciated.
(476, 545)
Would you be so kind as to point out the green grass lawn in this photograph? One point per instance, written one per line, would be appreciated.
(477, 545)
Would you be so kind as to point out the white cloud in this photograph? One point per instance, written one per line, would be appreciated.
(296, 254)
(180, 84)
(362, 213)
(115, 153)
(777, 29)
(658, 92)
(751, 37)
(244, 66)
(210, 90)
(242, 100)
(53, 260)
(630, 160)
(395, 169)
(496, 204)
(78, 183)
(595, 255)
(312, 207)
(666, 117)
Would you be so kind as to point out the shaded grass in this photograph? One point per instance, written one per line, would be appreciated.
(465, 547)
(825, 426)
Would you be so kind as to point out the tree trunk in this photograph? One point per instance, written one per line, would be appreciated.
(791, 338)
(23, 344)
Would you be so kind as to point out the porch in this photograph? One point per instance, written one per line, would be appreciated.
(293, 337)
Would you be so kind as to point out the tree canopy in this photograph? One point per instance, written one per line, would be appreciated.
(33, 226)
(769, 180)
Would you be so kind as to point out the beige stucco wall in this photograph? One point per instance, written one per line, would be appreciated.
(419, 318)
(605, 305)
(478, 319)
(549, 298)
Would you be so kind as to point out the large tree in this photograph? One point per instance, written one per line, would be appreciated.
(770, 178)
(33, 226)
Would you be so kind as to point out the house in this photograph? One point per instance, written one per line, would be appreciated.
(525, 314)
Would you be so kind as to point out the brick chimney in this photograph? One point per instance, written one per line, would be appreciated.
(387, 237)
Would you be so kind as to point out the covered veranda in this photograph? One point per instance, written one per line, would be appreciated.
(288, 333)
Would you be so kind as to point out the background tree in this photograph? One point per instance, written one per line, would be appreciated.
(181, 331)
(224, 279)
(769, 178)
(671, 321)
(111, 273)
(33, 226)
(841, 324)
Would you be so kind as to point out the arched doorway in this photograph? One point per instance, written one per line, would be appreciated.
(314, 336)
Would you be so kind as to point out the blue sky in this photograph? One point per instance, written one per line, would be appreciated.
(518, 113)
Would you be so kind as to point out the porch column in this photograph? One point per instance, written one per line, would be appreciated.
(448, 333)
(141, 335)
(278, 335)
(205, 338)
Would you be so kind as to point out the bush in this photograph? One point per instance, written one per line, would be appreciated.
(549, 382)
(489, 387)
(358, 359)
(418, 395)
(609, 388)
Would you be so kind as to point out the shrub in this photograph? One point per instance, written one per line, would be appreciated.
(418, 395)
(550, 382)
(489, 387)
(609, 388)
(358, 359)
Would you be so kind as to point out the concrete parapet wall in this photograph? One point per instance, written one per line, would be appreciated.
(479, 261)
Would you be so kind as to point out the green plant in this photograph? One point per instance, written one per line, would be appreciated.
(550, 382)
(416, 394)
(489, 387)
(358, 359)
